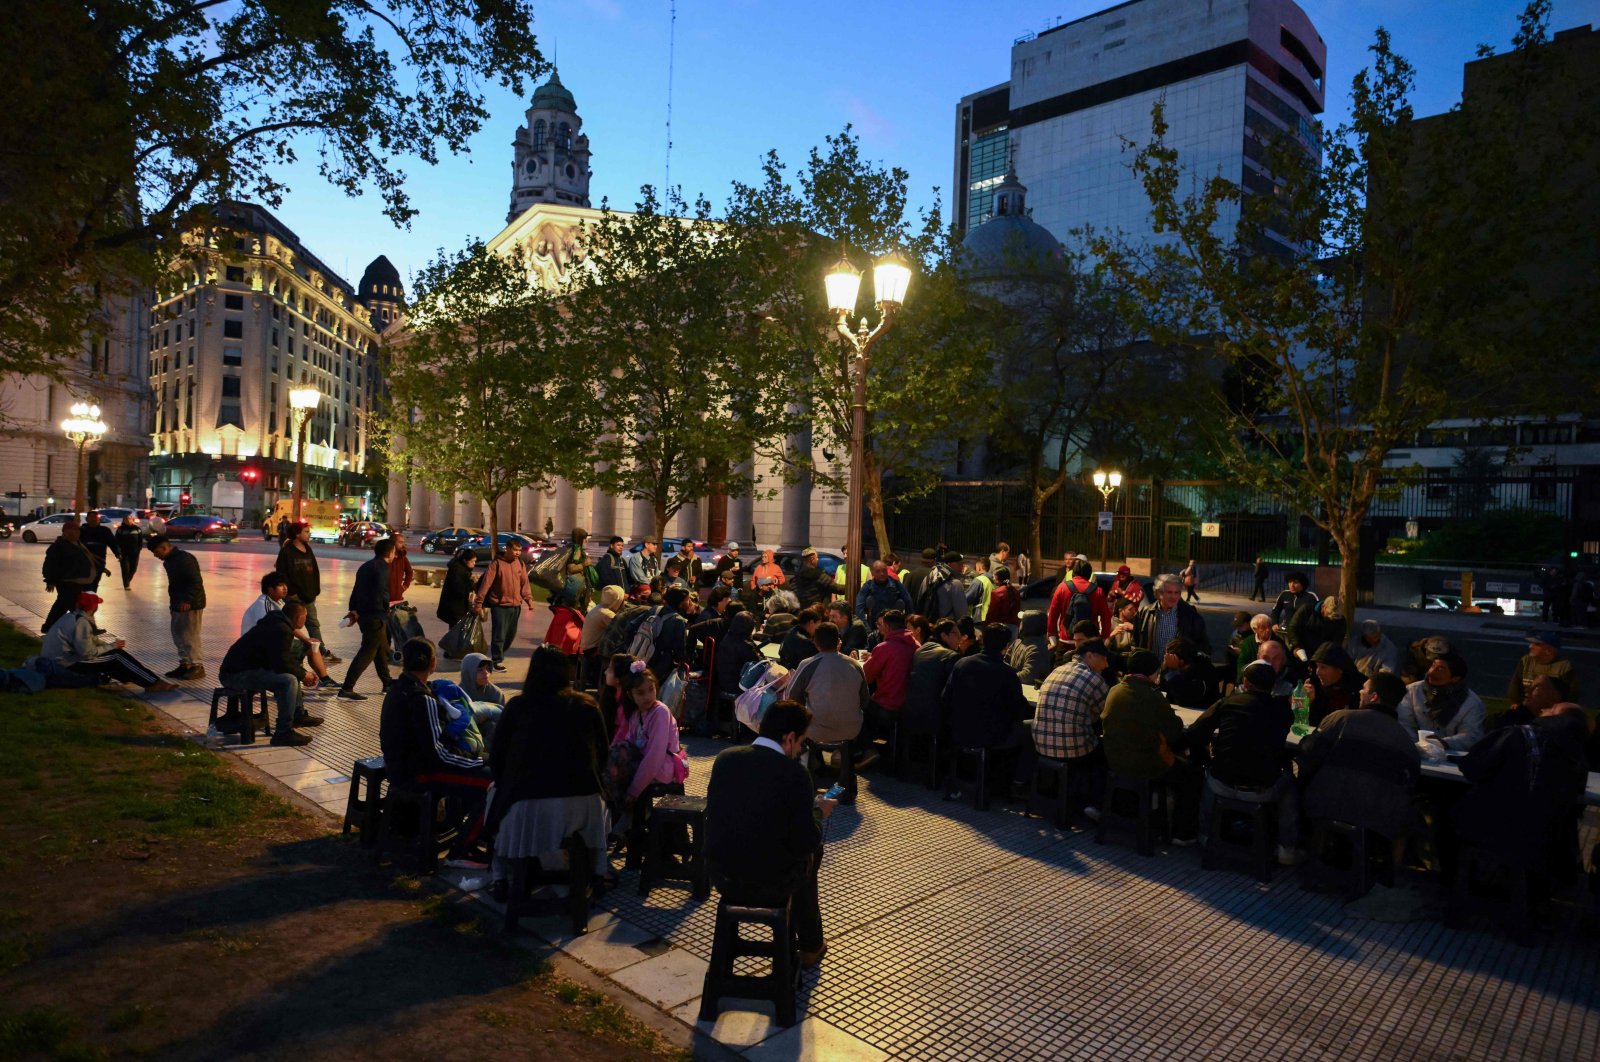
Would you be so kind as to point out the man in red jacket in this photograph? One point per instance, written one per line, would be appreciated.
(888, 672)
(1078, 598)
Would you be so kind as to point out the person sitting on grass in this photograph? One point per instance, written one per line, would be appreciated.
(416, 755)
(73, 655)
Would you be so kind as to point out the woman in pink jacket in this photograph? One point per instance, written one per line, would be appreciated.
(644, 753)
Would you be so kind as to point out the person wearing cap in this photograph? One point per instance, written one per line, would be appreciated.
(1421, 653)
(1125, 587)
(1291, 600)
(1360, 767)
(1241, 739)
(1066, 722)
(644, 563)
(673, 573)
(881, 593)
(1442, 704)
(1185, 678)
(1371, 650)
(1141, 734)
(812, 585)
(730, 561)
(1543, 658)
(914, 577)
(298, 564)
(186, 599)
(69, 569)
(767, 576)
(612, 567)
(74, 655)
(1335, 683)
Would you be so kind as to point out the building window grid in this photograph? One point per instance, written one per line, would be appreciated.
(989, 156)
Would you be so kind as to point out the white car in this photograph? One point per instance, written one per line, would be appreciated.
(46, 530)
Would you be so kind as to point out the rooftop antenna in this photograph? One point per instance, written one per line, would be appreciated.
(672, 42)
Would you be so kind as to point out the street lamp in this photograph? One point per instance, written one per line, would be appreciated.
(891, 275)
(302, 400)
(82, 428)
(1106, 483)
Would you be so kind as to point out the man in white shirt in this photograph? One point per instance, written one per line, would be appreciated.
(274, 589)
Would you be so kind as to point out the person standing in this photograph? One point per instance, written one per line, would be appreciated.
(298, 565)
(1164, 618)
(503, 589)
(693, 566)
(612, 569)
(455, 597)
(1191, 581)
(369, 610)
(186, 597)
(979, 590)
(1259, 592)
(130, 543)
(401, 574)
(645, 564)
(578, 575)
(101, 542)
(69, 570)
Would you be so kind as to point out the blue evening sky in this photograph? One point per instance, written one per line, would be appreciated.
(750, 75)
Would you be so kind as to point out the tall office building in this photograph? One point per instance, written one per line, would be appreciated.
(258, 314)
(1233, 74)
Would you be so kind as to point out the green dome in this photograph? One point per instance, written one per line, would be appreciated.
(554, 95)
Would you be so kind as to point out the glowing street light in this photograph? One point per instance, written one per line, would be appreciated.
(302, 400)
(83, 428)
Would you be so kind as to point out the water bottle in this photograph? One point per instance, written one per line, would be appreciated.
(1300, 701)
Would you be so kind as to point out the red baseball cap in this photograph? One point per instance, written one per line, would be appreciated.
(87, 600)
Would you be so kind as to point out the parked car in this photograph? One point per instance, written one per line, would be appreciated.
(1443, 602)
(449, 539)
(199, 528)
(828, 560)
(113, 514)
(480, 544)
(364, 533)
(47, 529)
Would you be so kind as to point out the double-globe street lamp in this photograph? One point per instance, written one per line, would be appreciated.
(891, 275)
(302, 400)
(83, 428)
(1106, 483)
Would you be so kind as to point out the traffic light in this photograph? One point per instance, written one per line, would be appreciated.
(183, 499)
(249, 475)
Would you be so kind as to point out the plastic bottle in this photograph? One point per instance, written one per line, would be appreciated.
(1300, 701)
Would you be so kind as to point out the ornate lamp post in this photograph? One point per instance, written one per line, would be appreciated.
(1106, 483)
(302, 400)
(890, 278)
(83, 428)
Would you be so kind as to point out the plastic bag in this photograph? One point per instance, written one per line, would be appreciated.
(465, 637)
(753, 703)
(672, 691)
(551, 572)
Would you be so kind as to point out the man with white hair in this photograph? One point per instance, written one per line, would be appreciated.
(1372, 650)
(1164, 618)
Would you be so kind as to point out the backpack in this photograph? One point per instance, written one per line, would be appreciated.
(643, 646)
(622, 629)
(1078, 608)
(928, 593)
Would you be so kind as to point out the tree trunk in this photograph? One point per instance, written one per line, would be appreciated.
(1349, 543)
(493, 501)
(880, 525)
(658, 511)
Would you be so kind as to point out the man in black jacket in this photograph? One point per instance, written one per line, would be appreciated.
(69, 569)
(369, 608)
(984, 702)
(1164, 618)
(298, 565)
(263, 660)
(1243, 738)
(415, 756)
(763, 835)
(812, 585)
(1290, 600)
(610, 567)
(930, 671)
(101, 542)
(186, 597)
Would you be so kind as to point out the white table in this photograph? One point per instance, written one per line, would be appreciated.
(1433, 769)
(770, 650)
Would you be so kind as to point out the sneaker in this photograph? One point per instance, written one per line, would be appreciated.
(307, 719)
(866, 759)
(331, 658)
(466, 863)
(1091, 813)
(291, 737)
(196, 672)
(501, 667)
(177, 672)
(351, 695)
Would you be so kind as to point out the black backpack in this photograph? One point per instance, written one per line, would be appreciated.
(928, 593)
(1078, 608)
(623, 627)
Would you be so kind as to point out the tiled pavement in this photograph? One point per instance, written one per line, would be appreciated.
(955, 934)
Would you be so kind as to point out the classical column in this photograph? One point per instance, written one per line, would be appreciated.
(529, 509)
(505, 512)
(644, 519)
(796, 533)
(602, 513)
(395, 502)
(420, 517)
(687, 524)
(741, 507)
(468, 510)
(566, 517)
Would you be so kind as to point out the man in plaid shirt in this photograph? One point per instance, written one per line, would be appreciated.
(1070, 702)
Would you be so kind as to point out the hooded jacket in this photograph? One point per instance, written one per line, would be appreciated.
(299, 568)
(72, 640)
(566, 629)
(456, 594)
(734, 651)
(599, 617)
(184, 583)
(889, 669)
(813, 586)
(469, 684)
(268, 646)
(1029, 655)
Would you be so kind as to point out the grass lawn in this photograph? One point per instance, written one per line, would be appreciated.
(155, 902)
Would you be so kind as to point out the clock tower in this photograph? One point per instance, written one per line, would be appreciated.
(550, 155)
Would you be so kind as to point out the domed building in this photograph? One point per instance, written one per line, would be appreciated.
(381, 292)
(550, 154)
(1010, 240)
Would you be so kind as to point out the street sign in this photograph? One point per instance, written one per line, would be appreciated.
(1104, 523)
(16, 494)
(1210, 530)
(1412, 530)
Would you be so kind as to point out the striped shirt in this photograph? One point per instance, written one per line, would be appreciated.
(1070, 700)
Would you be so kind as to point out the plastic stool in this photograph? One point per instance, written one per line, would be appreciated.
(243, 702)
(669, 811)
(980, 784)
(1353, 879)
(426, 842)
(1257, 855)
(365, 813)
(1059, 770)
(727, 946)
(1144, 791)
(577, 876)
(1514, 911)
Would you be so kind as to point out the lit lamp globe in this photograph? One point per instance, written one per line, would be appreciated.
(304, 398)
(843, 283)
(890, 278)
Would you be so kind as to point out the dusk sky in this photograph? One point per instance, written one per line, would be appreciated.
(751, 76)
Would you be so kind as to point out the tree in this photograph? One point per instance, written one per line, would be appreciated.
(927, 369)
(471, 405)
(124, 120)
(669, 333)
(1383, 286)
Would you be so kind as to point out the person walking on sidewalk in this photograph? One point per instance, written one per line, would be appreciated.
(130, 543)
(101, 542)
(369, 609)
(298, 565)
(1191, 581)
(68, 571)
(186, 597)
(503, 589)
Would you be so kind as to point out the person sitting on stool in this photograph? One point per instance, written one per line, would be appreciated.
(763, 825)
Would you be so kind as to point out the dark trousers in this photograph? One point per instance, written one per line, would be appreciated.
(118, 665)
(1260, 591)
(503, 620)
(374, 650)
(469, 791)
(100, 571)
(129, 563)
(806, 914)
(66, 600)
(1189, 594)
